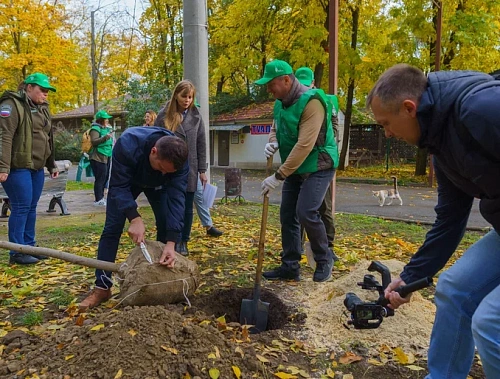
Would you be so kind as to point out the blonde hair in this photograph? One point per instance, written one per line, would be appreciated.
(152, 113)
(173, 115)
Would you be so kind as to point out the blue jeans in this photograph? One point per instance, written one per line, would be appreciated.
(468, 313)
(188, 217)
(202, 209)
(23, 187)
(301, 199)
(115, 222)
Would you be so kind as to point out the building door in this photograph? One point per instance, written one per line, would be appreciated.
(223, 148)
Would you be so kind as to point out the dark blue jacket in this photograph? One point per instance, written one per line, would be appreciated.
(459, 117)
(131, 172)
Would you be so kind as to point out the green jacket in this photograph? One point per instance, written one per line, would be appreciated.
(26, 138)
(287, 131)
(105, 148)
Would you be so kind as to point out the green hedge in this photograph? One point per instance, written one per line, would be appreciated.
(67, 145)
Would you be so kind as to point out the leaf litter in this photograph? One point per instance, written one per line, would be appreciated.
(167, 342)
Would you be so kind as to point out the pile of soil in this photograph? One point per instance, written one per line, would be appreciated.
(176, 342)
(409, 328)
(142, 342)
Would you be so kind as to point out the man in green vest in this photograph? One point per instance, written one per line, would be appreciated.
(306, 77)
(303, 134)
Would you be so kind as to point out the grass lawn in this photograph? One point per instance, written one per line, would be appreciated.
(358, 238)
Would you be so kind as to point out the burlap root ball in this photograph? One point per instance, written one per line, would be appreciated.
(153, 284)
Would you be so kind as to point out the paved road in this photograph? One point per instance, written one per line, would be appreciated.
(418, 202)
(355, 198)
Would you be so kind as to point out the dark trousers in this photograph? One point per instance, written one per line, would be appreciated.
(101, 174)
(301, 199)
(115, 222)
(326, 213)
(188, 217)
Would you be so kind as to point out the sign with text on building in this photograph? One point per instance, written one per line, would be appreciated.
(260, 128)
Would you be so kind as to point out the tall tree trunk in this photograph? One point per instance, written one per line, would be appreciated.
(318, 74)
(220, 85)
(347, 124)
(350, 90)
(421, 162)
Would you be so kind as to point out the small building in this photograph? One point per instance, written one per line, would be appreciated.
(237, 138)
(73, 120)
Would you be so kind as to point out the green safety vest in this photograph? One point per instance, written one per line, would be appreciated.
(106, 147)
(287, 131)
(334, 101)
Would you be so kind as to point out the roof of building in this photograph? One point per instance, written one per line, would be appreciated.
(254, 111)
(113, 107)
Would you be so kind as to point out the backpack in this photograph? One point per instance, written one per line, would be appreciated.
(86, 142)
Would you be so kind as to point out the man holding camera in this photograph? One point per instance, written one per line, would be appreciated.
(454, 115)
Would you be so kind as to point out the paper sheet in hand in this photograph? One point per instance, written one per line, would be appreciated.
(209, 195)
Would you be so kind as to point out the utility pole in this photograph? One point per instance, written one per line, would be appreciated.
(333, 63)
(93, 60)
(437, 66)
(195, 60)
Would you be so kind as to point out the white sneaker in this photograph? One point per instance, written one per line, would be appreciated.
(100, 203)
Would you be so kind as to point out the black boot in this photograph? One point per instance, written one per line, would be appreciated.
(22, 259)
(40, 257)
(282, 273)
(185, 248)
(214, 232)
(181, 248)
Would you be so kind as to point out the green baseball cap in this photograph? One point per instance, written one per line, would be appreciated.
(273, 70)
(305, 76)
(102, 114)
(40, 80)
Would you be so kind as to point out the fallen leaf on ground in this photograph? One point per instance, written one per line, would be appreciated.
(349, 357)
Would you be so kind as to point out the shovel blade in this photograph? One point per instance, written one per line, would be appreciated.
(254, 312)
(310, 255)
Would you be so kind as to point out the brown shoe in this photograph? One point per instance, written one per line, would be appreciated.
(95, 297)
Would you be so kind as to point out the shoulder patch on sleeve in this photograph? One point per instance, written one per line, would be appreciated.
(5, 110)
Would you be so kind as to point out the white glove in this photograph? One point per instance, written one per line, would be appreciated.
(269, 184)
(86, 155)
(270, 149)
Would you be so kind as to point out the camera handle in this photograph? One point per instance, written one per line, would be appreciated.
(369, 315)
(409, 288)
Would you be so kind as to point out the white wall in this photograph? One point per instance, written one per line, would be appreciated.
(249, 152)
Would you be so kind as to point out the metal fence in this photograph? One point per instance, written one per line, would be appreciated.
(370, 137)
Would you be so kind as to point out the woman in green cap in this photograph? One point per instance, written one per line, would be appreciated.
(101, 135)
(27, 147)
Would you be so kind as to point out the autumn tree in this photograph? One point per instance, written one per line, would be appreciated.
(32, 34)
(161, 32)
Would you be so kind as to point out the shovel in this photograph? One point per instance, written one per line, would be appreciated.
(138, 277)
(255, 312)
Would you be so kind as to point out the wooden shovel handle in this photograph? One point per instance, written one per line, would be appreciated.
(262, 236)
(68, 257)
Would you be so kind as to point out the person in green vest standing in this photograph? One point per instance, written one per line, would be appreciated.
(306, 77)
(303, 135)
(101, 135)
(27, 146)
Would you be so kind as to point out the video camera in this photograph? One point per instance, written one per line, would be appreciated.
(369, 315)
